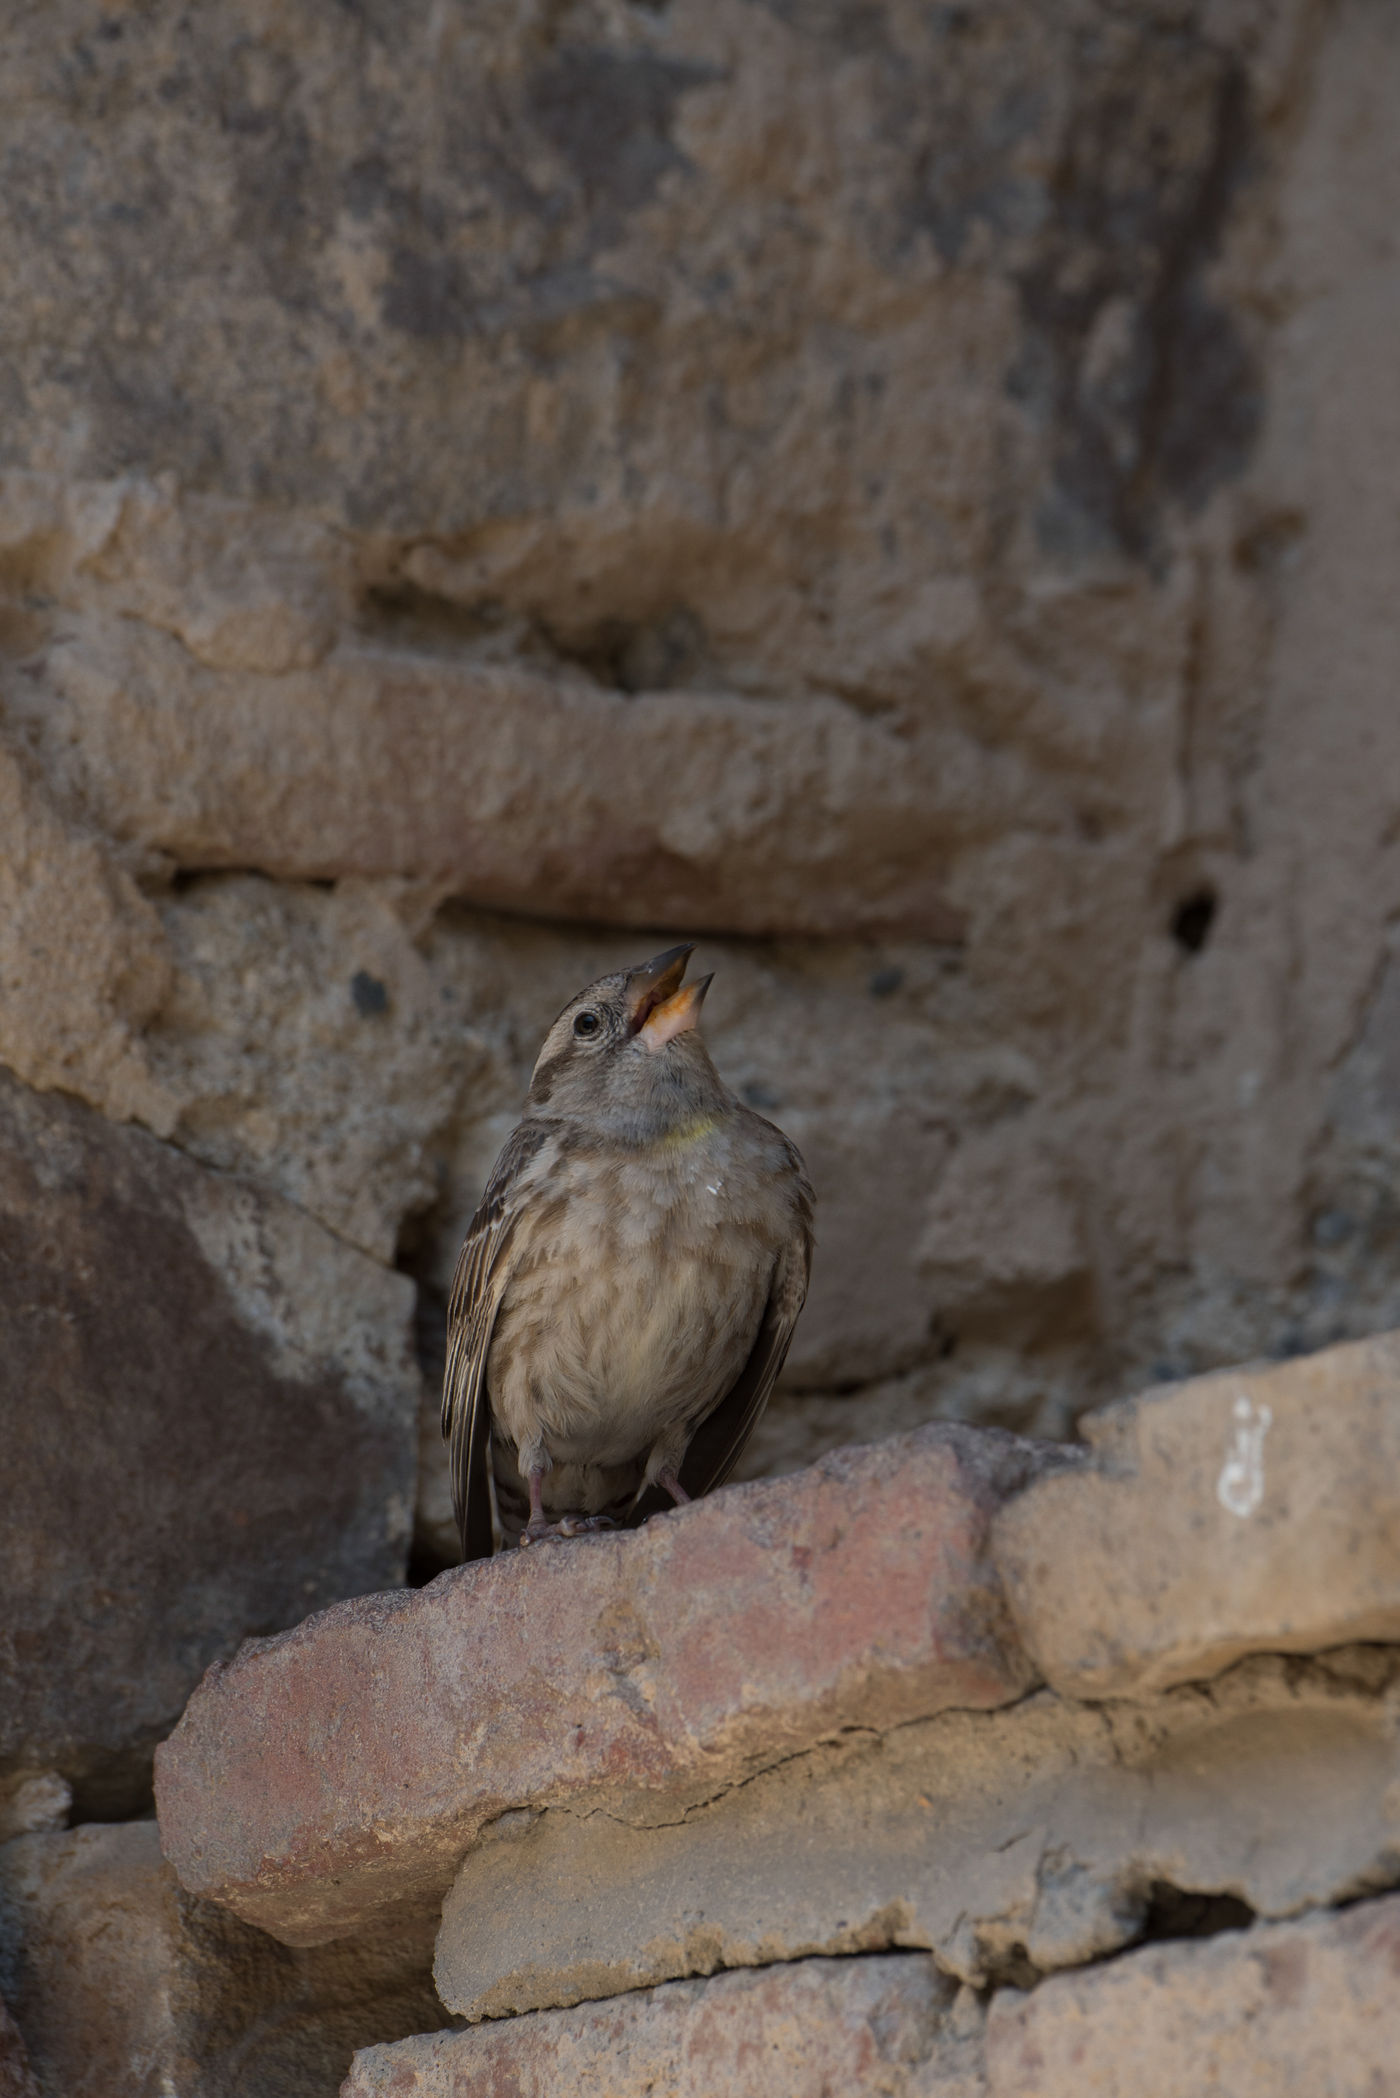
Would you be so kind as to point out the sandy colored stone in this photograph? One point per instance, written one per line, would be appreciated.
(1049, 1834)
(500, 786)
(310, 1042)
(123, 1984)
(767, 388)
(525, 354)
(1257, 1509)
(1047, 508)
(320, 1777)
(1286, 2010)
(209, 1410)
(892, 2026)
(83, 965)
(243, 586)
(1065, 489)
(995, 409)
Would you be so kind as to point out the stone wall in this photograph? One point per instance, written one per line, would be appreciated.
(864, 1776)
(901, 493)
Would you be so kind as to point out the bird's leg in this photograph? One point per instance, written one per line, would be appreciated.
(664, 1465)
(539, 1528)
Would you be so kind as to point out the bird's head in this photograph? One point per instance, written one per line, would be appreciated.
(625, 1053)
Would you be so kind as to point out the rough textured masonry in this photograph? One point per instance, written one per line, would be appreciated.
(345, 1767)
(800, 1718)
(1300, 2010)
(1240, 1512)
(1042, 1837)
(352, 1764)
(937, 460)
(1305, 2010)
(907, 495)
(892, 2026)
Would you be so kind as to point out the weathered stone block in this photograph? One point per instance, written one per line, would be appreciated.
(208, 1408)
(263, 624)
(1288, 2010)
(499, 784)
(83, 962)
(1257, 1509)
(1049, 1833)
(351, 1763)
(121, 1983)
(892, 2026)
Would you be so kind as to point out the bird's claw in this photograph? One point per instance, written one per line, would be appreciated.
(540, 1532)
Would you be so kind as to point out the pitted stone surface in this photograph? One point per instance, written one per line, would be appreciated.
(1289, 2010)
(1285, 2010)
(1252, 1510)
(376, 764)
(1040, 1833)
(941, 505)
(880, 2028)
(923, 475)
(346, 1766)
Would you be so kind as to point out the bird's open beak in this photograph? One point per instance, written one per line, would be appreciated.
(675, 1015)
(652, 984)
(657, 1006)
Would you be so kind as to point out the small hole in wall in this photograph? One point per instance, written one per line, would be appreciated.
(661, 655)
(1012, 1969)
(368, 994)
(1177, 1912)
(885, 982)
(1192, 920)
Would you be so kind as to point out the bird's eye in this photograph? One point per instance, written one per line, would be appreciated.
(586, 1024)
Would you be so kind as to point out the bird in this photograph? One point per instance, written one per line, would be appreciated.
(628, 1287)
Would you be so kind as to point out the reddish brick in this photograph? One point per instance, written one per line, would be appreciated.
(348, 1765)
(892, 2025)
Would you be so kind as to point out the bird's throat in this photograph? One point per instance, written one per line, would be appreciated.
(690, 1132)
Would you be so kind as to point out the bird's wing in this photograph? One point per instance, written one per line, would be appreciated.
(483, 1269)
(718, 1443)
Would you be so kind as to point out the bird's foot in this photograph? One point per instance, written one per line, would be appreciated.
(538, 1531)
